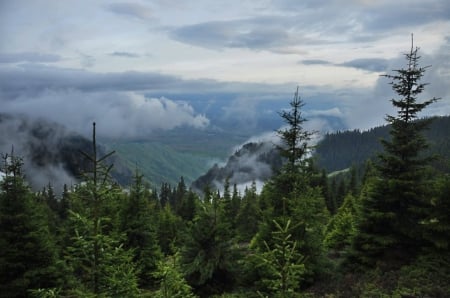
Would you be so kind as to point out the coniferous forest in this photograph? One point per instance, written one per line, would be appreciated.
(383, 234)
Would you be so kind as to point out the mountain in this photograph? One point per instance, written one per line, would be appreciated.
(335, 152)
(252, 162)
(51, 152)
(341, 150)
(168, 155)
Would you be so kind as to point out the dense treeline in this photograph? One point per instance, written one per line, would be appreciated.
(340, 150)
(380, 231)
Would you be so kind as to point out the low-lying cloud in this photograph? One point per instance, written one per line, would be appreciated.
(28, 57)
(118, 114)
(367, 64)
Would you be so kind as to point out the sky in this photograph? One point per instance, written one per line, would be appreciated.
(136, 67)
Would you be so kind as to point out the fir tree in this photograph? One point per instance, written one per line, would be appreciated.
(391, 215)
(140, 227)
(249, 215)
(208, 256)
(28, 254)
(172, 282)
(96, 253)
(294, 138)
(282, 263)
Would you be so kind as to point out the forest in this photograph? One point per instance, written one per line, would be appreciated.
(385, 235)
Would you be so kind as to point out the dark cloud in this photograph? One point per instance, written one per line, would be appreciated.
(315, 62)
(28, 57)
(77, 97)
(134, 10)
(35, 78)
(124, 54)
(87, 60)
(393, 15)
(313, 23)
(369, 64)
(254, 33)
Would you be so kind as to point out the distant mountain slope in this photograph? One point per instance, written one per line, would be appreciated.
(168, 155)
(335, 152)
(340, 150)
(51, 153)
(161, 163)
(252, 162)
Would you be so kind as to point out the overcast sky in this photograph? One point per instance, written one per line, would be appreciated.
(135, 66)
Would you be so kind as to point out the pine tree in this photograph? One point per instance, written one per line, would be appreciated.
(292, 195)
(170, 228)
(437, 222)
(249, 216)
(28, 254)
(294, 138)
(140, 227)
(391, 216)
(208, 256)
(96, 253)
(282, 264)
(172, 282)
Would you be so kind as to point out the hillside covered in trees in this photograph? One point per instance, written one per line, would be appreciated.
(341, 150)
(386, 236)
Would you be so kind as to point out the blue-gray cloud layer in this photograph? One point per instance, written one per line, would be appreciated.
(313, 22)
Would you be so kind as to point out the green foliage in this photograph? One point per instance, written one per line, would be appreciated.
(172, 282)
(139, 225)
(28, 252)
(294, 138)
(209, 256)
(436, 225)
(170, 229)
(95, 252)
(164, 163)
(392, 214)
(342, 226)
(282, 264)
(342, 149)
(112, 272)
(249, 216)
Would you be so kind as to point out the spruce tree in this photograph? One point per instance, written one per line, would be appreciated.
(249, 215)
(140, 227)
(390, 227)
(208, 256)
(96, 252)
(28, 254)
(294, 138)
(291, 194)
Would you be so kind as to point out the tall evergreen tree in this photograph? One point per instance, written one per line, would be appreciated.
(291, 194)
(294, 138)
(96, 253)
(28, 254)
(391, 215)
(208, 256)
(140, 227)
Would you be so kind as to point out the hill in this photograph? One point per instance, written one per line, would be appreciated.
(334, 153)
(51, 152)
(252, 162)
(167, 156)
(340, 150)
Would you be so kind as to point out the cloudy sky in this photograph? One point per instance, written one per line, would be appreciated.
(137, 66)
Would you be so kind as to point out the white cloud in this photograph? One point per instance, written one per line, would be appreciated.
(118, 114)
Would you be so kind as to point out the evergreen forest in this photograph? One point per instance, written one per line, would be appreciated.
(380, 230)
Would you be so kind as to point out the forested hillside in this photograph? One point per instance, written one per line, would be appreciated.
(341, 150)
(385, 234)
(165, 157)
